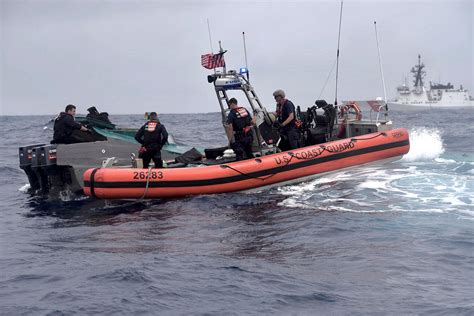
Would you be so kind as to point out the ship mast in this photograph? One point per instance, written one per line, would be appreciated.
(418, 74)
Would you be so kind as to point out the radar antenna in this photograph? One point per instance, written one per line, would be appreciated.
(418, 74)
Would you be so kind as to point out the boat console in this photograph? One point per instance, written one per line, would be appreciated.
(320, 123)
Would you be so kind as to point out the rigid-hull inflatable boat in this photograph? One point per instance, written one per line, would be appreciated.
(303, 163)
(335, 139)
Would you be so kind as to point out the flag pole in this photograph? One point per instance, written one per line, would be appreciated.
(221, 52)
(210, 39)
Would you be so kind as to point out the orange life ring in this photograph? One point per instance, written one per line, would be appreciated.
(347, 107)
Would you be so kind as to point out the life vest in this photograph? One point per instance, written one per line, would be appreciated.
(153, 133)
(278, 111)
(297, 122)
(242, 125)
(151, 126)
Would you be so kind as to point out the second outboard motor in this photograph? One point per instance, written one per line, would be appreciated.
(318, 127)
(330, 114)
(43, 163)
(25, 155)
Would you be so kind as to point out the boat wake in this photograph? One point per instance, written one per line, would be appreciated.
(423, 182)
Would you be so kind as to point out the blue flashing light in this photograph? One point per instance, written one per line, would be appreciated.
(243, 70)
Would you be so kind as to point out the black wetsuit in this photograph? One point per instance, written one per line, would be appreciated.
(153, 136)
(64, 126)
(241, 121)
(288, 132)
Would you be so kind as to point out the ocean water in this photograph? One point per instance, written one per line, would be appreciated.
(393, 239)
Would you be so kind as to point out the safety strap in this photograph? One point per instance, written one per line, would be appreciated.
(92, 181)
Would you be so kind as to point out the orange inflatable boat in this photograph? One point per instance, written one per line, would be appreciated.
(280, 168)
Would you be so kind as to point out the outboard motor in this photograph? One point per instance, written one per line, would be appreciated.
(43, 164)
(39, 163)
(25, 155)
(317, 128)
(49, 177)
(330, 114)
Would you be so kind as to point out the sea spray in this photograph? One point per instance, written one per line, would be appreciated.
(425, 144)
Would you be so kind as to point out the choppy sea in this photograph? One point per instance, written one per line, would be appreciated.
(394, 239)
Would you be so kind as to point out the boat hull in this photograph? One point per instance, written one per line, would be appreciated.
(436, 104)
(284, 167)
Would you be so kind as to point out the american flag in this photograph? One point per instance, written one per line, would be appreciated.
(210, 61)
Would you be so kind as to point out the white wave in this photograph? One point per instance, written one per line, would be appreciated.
(68, 196)
(383, 181)
(442, 160)
(25, 188)
(425, 144)
(297, 189)
(371, 184)
(397, 208)
(467, 214)
(372, 190)
(295, 203)
(453, 201)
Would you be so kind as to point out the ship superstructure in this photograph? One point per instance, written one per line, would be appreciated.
(439, 95)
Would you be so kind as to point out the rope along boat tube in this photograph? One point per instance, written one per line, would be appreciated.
(121, 183)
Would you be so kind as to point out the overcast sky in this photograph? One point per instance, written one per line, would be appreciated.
(136, 56)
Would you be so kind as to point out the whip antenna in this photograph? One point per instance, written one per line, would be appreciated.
(381, 68)
(327, 79)
(210, 39)
(245, 53)
(337, 58)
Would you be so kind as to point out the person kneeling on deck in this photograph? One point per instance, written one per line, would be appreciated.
(286, 120)
(153, 136)
(239, 130)
(67, 130)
